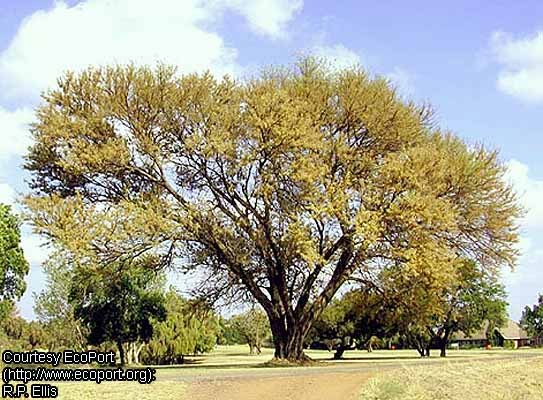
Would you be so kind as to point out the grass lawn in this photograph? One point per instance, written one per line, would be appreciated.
(235, 359)
(520, 379)
(238, 357)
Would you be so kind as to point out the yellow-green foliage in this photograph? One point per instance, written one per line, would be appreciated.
(494, 380)
(280, 187)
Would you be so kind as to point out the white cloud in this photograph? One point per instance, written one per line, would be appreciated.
(97, 32)
(7, 194)
(402, 79)
(338, 55)
(521, 59)
(104, 32)
(523, 283)
(268, 17)
(525, 248)
(342, 57)
(530, 192)
(14, 133)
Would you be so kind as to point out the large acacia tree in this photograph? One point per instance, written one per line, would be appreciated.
(279, 188)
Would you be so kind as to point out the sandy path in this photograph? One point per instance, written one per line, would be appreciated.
(323, 386)
(342, 381)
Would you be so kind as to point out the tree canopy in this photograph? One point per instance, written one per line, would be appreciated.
(532, 318)
(119, 309)
(425, 313)
(54, 309)
(13, 265)
(17, 334)
(475, 298)
(253, 326)
(279, 188)
(189, 328)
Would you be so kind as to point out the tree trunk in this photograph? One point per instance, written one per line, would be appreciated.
(423, 351)
(444, 342)
(128, 353)
(369, 346)
(121, 353)
(289, 348)
(289, 343)
(443, 346)
(340, 349)
(137, 351)
(422, 347)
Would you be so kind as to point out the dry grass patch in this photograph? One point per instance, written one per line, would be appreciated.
(490, 380)
(120, 391)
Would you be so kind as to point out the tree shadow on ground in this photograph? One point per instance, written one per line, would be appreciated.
(199, 365)
(377, 358)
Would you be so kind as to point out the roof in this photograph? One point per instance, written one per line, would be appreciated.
(510, 331)
(477, 335)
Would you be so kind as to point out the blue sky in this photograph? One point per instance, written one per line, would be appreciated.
(479, 63)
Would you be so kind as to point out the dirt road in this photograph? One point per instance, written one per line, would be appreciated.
(321, 386)
(333, 382)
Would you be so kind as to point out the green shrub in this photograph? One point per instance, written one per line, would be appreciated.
(509, 344)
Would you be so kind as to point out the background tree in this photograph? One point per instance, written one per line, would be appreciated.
(349, 322)
(279, 189)
(253, 326)
(54, 309)
(334, 329)
(17, 334)
(476, 297)
(36, 335)
(427, 312)
(13, 266)
(119, 309)
(368, 318)
(532, 318)
(190, 328)
(228, 334)
(13, 329)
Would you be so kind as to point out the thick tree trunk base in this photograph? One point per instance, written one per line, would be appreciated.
(304, 361)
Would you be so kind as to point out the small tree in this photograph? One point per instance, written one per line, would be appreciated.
(36, 335)
(228, 334)
(13, 266)
(423, 311)
(428, 311)
(476, 297)
(118, 308)
(333, 328)
(20, 335)
(189, 328)
(359, 318)
(54, 309)
(254, 327)
(532, 318)
(13, 329)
